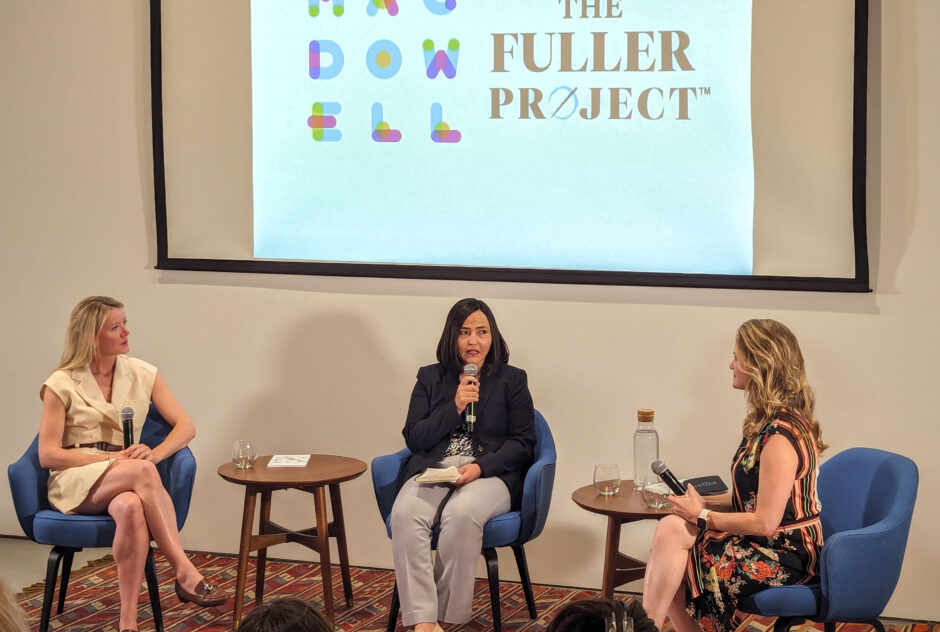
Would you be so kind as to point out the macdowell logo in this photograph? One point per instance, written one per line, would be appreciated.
(314, 7)
(319, 48)
(382, 132)
(384, 61)
(322, 121)
(440, 61)
(385, 5)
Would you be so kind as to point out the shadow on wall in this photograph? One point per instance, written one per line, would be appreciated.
(330, 394)
(894, 133)
(567, 546)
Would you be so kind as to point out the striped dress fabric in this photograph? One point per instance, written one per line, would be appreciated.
(724, 567)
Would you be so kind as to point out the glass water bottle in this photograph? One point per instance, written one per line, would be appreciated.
(645, 448)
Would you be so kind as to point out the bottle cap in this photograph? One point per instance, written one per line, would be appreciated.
(645, 414)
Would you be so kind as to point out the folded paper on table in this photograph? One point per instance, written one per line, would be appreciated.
(439, 475)
(289, 460)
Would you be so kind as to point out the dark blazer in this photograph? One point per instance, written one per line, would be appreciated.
(505, 426)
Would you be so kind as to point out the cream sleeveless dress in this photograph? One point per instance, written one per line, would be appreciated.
(89, 418)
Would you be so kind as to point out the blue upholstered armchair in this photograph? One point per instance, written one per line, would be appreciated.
(69, 534)
(867, 501)
(511, 529)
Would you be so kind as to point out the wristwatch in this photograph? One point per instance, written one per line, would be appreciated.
(702, 520)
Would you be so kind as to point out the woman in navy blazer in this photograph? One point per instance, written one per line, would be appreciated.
(491, 456)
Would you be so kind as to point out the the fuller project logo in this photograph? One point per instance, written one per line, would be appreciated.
(572, 53)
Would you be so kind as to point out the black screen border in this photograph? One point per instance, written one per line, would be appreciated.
(858, 283)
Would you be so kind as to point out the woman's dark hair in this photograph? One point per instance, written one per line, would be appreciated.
(286, 614)
(602, 615)
(447, 347)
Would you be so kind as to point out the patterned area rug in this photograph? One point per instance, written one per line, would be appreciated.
(93, 604)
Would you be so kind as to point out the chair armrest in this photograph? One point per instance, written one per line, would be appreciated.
(178, 473)
(386, 471)
(859, 569)
(537, 497)
(28, 486)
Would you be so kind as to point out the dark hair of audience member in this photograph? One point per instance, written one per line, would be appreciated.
(602, 615)
(286, 614)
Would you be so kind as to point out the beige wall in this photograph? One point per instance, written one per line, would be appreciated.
(285, 360)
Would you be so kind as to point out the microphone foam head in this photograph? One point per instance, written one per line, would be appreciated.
(127, 412)
(470, 369)
(658, 466)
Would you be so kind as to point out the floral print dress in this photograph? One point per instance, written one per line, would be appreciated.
(724, 567)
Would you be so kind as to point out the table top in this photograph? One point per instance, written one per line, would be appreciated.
(627, 504)
(321, 469)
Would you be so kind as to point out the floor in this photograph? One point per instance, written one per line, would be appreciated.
(24, 561)
(24, 564)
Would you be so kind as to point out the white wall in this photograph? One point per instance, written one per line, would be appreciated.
(283, 359)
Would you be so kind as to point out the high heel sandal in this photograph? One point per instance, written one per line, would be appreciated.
(206, 595)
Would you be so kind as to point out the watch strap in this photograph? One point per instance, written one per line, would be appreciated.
(702, 520)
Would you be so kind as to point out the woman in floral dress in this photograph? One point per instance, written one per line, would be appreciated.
(704, 560)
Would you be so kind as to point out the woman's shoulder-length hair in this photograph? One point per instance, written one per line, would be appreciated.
(81, 335)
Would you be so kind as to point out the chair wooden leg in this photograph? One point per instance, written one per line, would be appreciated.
(782, 624)
(519, 552)
(67, 557)
(150, 572)
(492, 574)
(875, 622)
(52, 574)
(393, 609)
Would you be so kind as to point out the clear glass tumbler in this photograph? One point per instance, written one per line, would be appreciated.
(606, 479)
(654, 494)
(243, 453)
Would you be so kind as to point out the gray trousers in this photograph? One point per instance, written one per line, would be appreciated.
(442, 591)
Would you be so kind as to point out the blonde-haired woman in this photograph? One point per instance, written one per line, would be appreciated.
(81, 442)
(703, 561)
(12, 618)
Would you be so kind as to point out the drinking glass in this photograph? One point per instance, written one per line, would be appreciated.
(654, 494)
(606, 479)
(243, 453)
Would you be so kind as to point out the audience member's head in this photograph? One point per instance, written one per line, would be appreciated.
(602, 615)
(12, 618)
(285, 615)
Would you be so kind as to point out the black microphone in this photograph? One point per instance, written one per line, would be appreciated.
(471, 417)
(660, 469)
(127, 421)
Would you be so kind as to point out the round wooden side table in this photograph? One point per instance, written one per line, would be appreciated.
(321, 471)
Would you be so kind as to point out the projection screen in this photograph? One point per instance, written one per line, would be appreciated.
(716, 144)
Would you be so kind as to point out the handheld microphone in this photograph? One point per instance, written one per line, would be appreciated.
(660, 469)
(471, 417)
(127, 422)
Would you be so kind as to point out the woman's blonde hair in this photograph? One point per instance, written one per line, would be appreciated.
(86, 322)
(12, 618)
(770, 356)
